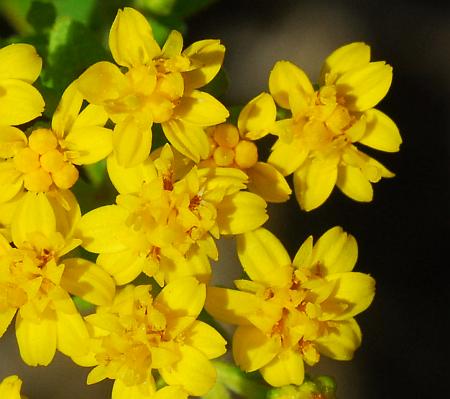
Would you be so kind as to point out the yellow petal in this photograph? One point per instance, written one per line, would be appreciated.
(131, 39)
(102, 229)
(6, 317)
(101, 82)
(342, 339)
(288, 81)
(130, 180)
(19, 102)
(381, 132)
(345, 58)
(145, 390)
(33, 213)
(67, 212)
(11, 181)
(303, 256)
(193, 372)
(365, 87)
(132, 142)
(314, 181)
(205, 338)
(230, 306)
(20, 61)
(268, 183)
(336, 251)
(354, 289)
(206, 58)
(188, 139)
(257, 117)
(253, 349)
(92, 115)
(73, 336)
(285, 369)
(287, 157)
(241, 212)
(264, 258)
(67, 111)
(124, 266)
(182, 297)
(11, 140)
(352, 182)
(201, 109)
(88, 281)
(173, 45)
(36, 340)
(168, 392)
(10, 387)
(89, 144)
(197, 265)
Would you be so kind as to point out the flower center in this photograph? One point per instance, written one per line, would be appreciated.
(44, 163)
(227, 149)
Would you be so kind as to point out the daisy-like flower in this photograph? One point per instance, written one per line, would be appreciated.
(139, 334)
(291, 311)
(233, 146)
(46, 160)
(20, 102)
(159, 85)
(36, 283)
(10, 387)
(164, 221)
(318, 143)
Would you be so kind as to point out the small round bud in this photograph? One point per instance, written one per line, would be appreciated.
(26, 160)
(65, 177)
(223, 156)
(246, 154)
(52, 161)
(38, 180)
(226, 135)
(42, 140)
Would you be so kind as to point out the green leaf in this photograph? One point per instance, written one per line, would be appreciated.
(218, 391)
(157, 7)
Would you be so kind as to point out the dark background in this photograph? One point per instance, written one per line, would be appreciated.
(403, 233)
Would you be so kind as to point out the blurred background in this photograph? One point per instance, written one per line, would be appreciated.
(402, 235)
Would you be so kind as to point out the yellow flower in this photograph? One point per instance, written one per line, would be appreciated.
(20, 102)
(138, 334)
(293, 310)
(46, 160)
(165, 220)
(317, 143)
(232, 146)
(160, 85)
(10, 387)
(36, 283)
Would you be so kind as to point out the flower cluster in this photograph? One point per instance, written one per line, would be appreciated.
(155, 241)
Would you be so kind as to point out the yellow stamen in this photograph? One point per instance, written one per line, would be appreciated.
(52, 161)
(66, 176)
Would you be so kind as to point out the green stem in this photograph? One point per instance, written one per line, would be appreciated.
(239, 382)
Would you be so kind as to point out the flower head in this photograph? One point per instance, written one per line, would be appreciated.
(233, 146)
(160, 85)
(291, 311)
(36, 283)
(140, 333)
(165, 220)
(20, 102)
(318, 142)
